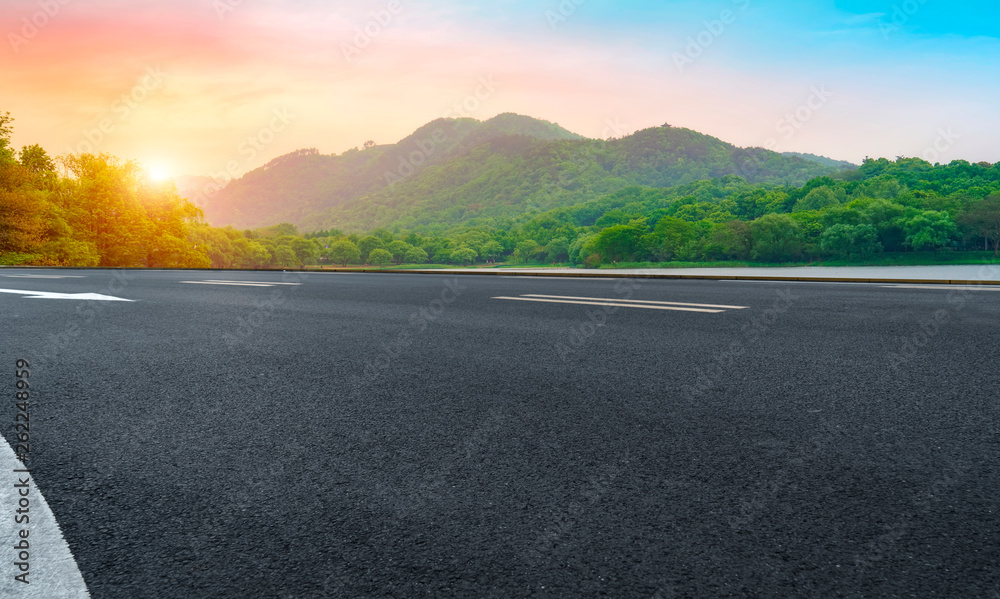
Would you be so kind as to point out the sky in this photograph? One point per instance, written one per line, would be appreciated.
(220, 87)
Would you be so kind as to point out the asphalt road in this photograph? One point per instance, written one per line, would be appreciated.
(353, 435)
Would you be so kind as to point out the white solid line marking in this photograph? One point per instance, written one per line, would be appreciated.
(69, 296)
(605, 299)
(619, 305)
(944, 287)
(232, 284)
(52, 570)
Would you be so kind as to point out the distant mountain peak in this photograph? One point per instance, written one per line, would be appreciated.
(519, 124)
(451, 170)
(830, 162)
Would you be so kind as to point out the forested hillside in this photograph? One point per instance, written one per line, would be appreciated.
(299, 186)
(465, 171)
(96, 210)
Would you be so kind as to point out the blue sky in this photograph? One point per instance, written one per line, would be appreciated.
(847, 79)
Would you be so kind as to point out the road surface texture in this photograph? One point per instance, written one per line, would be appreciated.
(234, 434)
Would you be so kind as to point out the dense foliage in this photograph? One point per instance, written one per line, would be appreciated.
(94, 210)
(907, 205)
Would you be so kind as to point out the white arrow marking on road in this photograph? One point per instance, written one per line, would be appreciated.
(52, 571)
(66, 296)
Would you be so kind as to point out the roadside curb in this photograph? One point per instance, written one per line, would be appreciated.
(611, 274)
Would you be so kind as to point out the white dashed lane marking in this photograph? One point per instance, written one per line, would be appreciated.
(628, 301)
(239, 283)
(623, 303)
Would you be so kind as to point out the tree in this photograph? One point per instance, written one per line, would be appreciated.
(669, 236)
(850, 241)
(621, 243)
(527, 250)
(367, 244)
(983, 219)
(380, 256)
(398, 250)
(741, 238)
(307, 250)
(256, 256)
(817, 199)
(6, 153)
(777, 238)
(22, 224)
(103, 207)
(36, 160)
(369, 144)
(442, 256)
(929, 230)
(557, 250)
(281, 230)
(492, 250)
(343, 252)
(415, 255)
(582, 247)
(464, 255)
(285, 257)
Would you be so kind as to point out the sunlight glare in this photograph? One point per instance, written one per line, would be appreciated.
(158, 173)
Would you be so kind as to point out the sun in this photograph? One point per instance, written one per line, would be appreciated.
(158, 172)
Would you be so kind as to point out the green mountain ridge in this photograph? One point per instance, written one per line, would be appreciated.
(467, 171)
(831, 162)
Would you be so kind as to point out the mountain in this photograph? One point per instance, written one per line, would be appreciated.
(200, 190)
(830, 162)
(458, 170)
